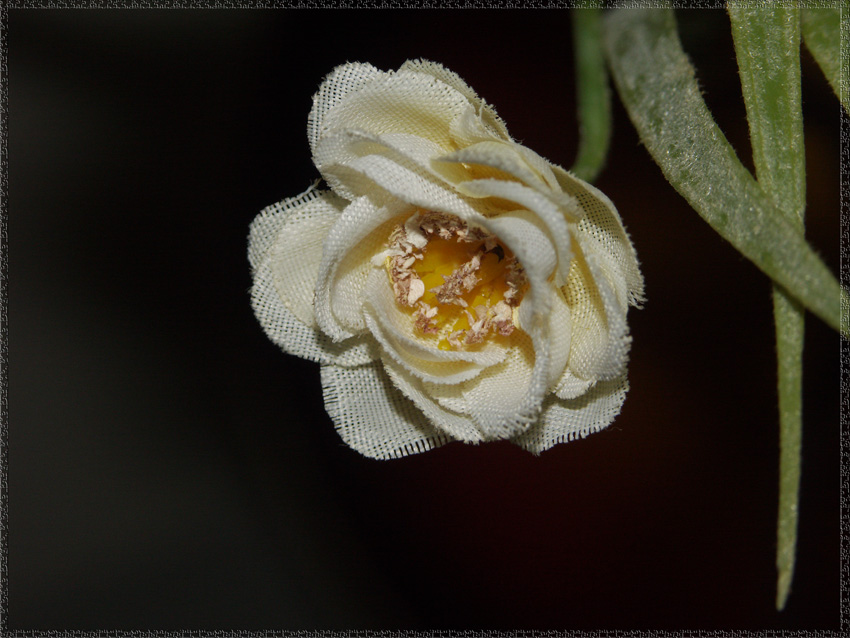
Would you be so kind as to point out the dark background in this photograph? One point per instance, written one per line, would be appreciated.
(170, 468)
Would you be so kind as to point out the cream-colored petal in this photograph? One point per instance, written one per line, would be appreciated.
(566, 420)
(570, 386)
(560, 330)
(338, 149)
(359, 233)
(488, 123)
(377, 173)
(600, 339)
(281, 299)
(610, 240)
(551, 216)
(527, 236)
(400, 102)
(294, 337)
(295, 255)
(418, 356)
(265, 226)
(505, 158)
(505, 398)
(336, 87)
(374, 417)
(459, 426)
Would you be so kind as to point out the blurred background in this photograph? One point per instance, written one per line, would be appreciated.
(170, 468)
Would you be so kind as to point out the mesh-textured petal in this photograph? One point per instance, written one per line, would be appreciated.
(295, 332)
(599, 333)
(295, 255)
(548, 213)
(504, 157)
(412, 152)
(566, 420)
(570, 386)
(505, 398)
(492, 123)
(400, 102)
(372, 416)
(338, 85)
(358, 234)
(408, 184)
(602, 223)
(560, 332)
(458, 426)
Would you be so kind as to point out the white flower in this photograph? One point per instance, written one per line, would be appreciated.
(453, 284)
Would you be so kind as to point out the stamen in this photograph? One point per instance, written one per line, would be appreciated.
(460, 283)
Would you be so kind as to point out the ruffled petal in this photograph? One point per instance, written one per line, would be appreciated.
(505, 398)
(283, 243)
(489, 121)
(400, 102)
(336, 87)
(508, 162)
(607, 237)
(458, 426)
(600, 335)
(551, 215)
(372, 416)
(565, 420)
(560, 333)
(337, 150)
(380, 174)
(359, 233)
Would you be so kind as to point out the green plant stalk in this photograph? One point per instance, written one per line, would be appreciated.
(767, 46)
(656, 84)
(592, 93)
(821, 33)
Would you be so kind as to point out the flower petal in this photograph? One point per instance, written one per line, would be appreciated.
(566, 420)
(552, 216)
(372, 416)
(488, 116)
(338, 149)
(359, 233)
(361, 175)
(600, 335)
(459, 426)
(570, 386)
(560, 334)
(602, 224)
(400, 102)
(339, 83)
(506, 158)
(505, 398)
(284, 240)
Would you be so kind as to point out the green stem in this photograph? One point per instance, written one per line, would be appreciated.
(593, 94)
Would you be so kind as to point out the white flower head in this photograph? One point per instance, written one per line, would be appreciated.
(453, 284)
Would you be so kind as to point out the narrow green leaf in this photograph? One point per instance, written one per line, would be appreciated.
(767, 46)
(656, 83)
(789, 320)
(821, 33)
(593, 94)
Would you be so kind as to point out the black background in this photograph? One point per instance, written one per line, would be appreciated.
(170, 468)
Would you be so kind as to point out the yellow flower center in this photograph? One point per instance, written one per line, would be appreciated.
(459, 284)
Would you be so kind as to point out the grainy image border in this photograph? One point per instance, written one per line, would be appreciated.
(844, 125)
